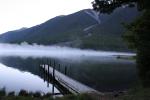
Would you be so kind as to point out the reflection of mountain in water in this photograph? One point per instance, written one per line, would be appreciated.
(15, 80)
(30, 65)
(103, 74)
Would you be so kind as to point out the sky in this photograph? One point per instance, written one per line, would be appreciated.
(15, 14)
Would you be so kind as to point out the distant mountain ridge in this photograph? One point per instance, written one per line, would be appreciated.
(83, 29)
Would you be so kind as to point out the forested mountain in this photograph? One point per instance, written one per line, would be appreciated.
(83, 29)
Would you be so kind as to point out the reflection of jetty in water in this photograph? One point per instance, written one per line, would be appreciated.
(62, 82)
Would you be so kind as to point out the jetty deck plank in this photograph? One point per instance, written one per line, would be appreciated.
(69, 83)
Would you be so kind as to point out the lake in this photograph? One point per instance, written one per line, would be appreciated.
(15, 80)
(103, 71)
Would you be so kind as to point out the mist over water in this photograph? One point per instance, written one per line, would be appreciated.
(38, 51)
(99, 69)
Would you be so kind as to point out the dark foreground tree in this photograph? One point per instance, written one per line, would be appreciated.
(138, 34)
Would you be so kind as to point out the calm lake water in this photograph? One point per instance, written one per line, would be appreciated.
(15, 80)
(19, 68)
(101, 73)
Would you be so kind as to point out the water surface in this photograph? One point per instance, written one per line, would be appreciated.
(100, 70)
(14, 80)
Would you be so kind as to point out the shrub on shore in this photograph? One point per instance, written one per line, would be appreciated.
(2, 92)
(11, 93)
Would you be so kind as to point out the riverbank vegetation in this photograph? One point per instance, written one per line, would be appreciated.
(24, 95)
(137, 93)
(137, 34)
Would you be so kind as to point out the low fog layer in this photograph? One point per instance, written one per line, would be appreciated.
(25, 50)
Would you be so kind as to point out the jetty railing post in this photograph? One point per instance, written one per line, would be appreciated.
(53, 78)
(44, 66)
(48, 75)
(59, 67)
(44, 72)
(48, 69)
(69, 70)
(54, 70)
(41, 69)
(50, 63)
(65, 70)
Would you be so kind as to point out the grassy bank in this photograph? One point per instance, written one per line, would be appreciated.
(68, 97)
(24, 95)
(132, 94)
(137, 94)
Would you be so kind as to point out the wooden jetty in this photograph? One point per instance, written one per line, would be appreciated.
(70, 84)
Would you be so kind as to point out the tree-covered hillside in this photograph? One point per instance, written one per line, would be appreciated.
(83, 29)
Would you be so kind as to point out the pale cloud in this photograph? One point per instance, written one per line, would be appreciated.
(15, 14)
